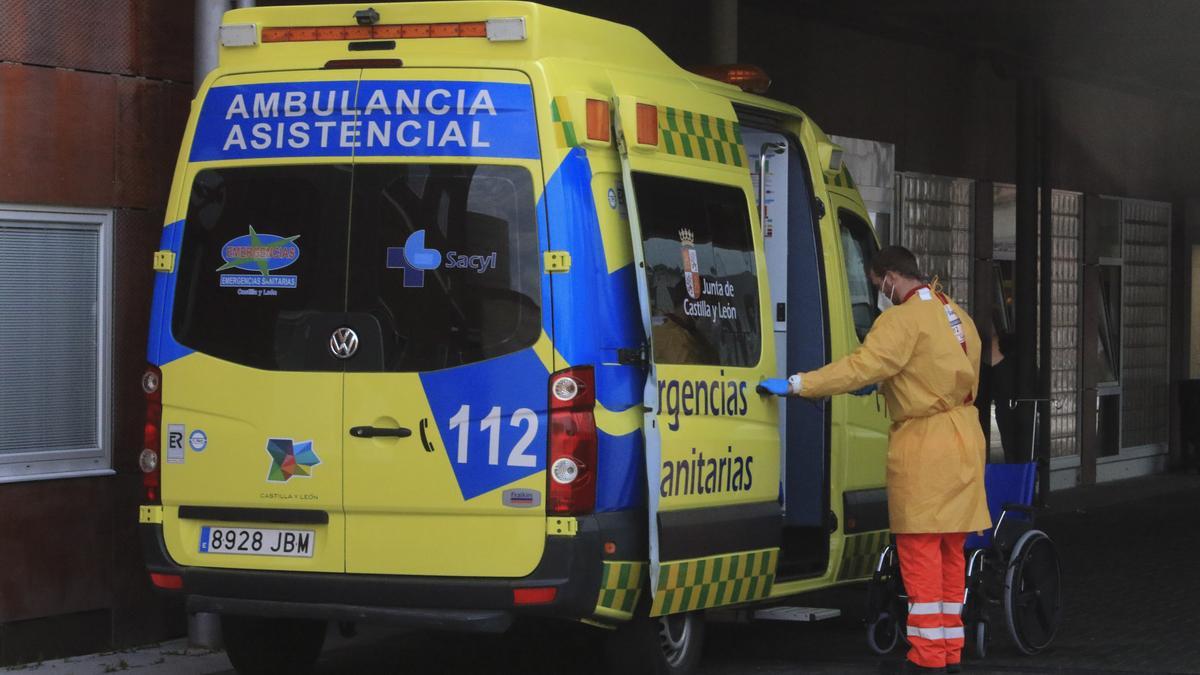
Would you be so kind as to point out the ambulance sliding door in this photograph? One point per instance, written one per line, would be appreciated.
(712, 443)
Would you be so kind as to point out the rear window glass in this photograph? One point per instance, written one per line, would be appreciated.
(700, 267)
(443, 265)
(262, 265)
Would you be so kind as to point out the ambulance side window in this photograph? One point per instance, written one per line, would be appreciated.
(700, 267)
(858, 246)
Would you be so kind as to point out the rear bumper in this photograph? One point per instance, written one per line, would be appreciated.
(572, 565)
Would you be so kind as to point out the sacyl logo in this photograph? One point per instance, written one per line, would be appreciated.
(415, 259)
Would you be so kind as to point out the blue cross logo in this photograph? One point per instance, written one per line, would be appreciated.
(414, 259)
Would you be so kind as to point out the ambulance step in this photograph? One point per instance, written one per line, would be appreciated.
(796, 614)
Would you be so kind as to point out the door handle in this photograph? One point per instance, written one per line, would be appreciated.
(374, 432)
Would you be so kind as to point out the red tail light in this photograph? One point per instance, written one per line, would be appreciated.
(150, 458)
(172, 582)
(571, 469)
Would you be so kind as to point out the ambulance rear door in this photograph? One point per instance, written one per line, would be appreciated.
(252, 395)
(712, 443)
(445, 402)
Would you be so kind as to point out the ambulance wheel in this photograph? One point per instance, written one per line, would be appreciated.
(665, 645)
(883, 634)
(1032, 592)
(982, 636)
(272, 646)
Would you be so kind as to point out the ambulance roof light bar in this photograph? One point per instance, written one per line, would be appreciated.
(495, 30)
(749, 78)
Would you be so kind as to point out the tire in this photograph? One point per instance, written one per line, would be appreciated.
(272, 646)
(1033, 592)
(883, 634)
(982, 636)
(667, 645)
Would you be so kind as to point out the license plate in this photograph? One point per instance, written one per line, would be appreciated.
(257, 541)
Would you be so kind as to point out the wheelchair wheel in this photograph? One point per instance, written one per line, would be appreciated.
(883, 634)
(1032, 592)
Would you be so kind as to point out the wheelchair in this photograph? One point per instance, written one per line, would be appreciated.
(1013, 566)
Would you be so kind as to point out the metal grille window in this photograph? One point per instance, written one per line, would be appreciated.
(1146, 229)
(54, 345)
(1066, 211)
(935, 224)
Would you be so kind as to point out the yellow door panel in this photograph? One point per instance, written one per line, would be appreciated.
(712, 443)
(412, 507)
(250, 438)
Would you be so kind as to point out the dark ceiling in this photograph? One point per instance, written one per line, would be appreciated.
(1145, 45)
(1148, 46)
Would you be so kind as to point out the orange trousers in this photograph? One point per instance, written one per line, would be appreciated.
(934, 574)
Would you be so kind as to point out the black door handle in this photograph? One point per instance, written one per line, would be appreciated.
(373, 432)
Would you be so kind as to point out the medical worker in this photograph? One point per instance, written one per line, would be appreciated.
(923, 351)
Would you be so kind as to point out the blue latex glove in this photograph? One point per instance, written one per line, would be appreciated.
(869, 389)
(775, 385)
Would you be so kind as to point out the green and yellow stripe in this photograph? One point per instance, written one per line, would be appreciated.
(688, 585)
(564, 127)
(703, 137)
(620, 588)
(860, 553)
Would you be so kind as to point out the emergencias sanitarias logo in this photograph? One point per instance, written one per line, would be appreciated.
(261, 253)
(290, 459)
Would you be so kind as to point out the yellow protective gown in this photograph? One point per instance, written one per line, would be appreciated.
(936, 446)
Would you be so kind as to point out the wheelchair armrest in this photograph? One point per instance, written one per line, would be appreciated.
(1022, 508)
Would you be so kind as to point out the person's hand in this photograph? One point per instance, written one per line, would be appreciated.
(775, 385)
(869, 389)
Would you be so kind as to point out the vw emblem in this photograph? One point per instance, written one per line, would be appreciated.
(343, 343)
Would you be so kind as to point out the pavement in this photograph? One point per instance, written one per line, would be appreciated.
(1130, 557)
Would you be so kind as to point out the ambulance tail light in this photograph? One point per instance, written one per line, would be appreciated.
(149, 459)
(749, 78)
(571, 479)
(647, 124)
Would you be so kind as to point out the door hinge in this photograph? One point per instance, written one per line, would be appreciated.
(563, 527)
(557, 262)
(164, 261)
(150, 514)
(633, 356)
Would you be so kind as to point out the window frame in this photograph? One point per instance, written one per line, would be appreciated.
(763, 323)
(860, 231)
(35, 465)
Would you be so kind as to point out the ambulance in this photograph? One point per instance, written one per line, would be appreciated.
(459, 313)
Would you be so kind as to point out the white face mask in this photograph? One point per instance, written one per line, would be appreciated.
(884, 301)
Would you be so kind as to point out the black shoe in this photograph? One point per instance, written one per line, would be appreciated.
(905, 666)
(954, 667)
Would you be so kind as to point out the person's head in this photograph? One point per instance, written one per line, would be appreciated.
(894, 272)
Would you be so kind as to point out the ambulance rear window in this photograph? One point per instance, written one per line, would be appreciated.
(432, 265)
(262, 266)
(444, 259)
(701, 271)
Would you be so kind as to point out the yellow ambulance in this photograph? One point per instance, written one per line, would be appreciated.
(459, 313)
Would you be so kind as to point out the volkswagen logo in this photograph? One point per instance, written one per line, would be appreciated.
(343, 343)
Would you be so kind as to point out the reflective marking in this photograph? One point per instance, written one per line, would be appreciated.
(952, 608)
(954, 633)
(927, 633)
(923, 608)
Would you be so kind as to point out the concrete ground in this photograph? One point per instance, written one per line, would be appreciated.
(1131, 571)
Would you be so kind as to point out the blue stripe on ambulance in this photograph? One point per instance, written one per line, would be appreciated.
(594, 336)
(389, 118)
(162, 348)
(513, 383)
